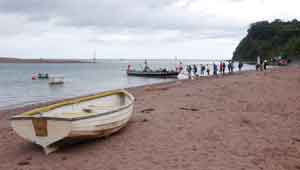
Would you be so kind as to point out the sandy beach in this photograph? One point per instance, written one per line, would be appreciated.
(242, 121)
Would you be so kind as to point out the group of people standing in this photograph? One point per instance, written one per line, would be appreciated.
(262, 66)
(205, 68)
(194, 69)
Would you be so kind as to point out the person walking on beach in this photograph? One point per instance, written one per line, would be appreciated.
(258, 67)
(179, 67)
(202, 67)
(207, 70)
(221, 67)
(195, 70)
(224, 66)
(146, 67)
(265, 63)
(189, 70)
(229, 67)
(259, 64)
(128, 67)
(240, 66)
(215, 68)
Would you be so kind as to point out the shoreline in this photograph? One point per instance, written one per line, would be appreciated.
(24, 108)
(242, 121)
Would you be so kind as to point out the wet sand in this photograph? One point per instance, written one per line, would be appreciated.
(243, 121)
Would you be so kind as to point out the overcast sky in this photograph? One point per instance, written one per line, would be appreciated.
(204, 29)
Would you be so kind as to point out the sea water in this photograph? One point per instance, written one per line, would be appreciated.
(18, 89)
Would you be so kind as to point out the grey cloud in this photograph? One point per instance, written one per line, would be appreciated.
(116, 15)
(105, 14)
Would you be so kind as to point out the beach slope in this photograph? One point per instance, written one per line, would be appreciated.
(244, 121)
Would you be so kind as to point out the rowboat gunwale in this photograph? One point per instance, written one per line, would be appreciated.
(31, 114)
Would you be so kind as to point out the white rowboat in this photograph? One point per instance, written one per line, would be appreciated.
(78, 119)
(56, 80)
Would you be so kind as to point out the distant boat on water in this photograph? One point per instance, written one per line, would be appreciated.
(147, 72)
(55, 80)
(153, 73)
(43, 75)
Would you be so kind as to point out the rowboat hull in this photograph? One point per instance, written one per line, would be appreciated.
(52, 132)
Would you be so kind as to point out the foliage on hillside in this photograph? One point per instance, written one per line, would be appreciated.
(270, 39)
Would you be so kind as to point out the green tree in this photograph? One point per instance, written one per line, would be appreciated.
(269, 39)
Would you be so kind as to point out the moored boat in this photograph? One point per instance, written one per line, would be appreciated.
(54, 80)
(154, 74)
(148, 72)
(84, 118)
(43, 75)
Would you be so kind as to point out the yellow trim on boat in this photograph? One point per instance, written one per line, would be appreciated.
(69, 102)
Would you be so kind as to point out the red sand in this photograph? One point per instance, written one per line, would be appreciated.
(244, 121)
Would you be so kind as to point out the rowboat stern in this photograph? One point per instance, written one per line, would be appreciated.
(41, 131)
